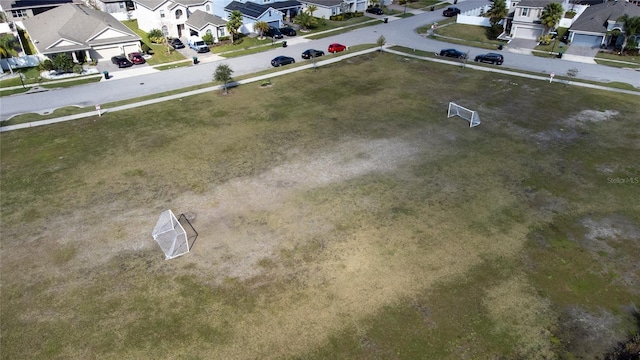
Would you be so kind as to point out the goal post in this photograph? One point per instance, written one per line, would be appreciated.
(471, 116)
(171, 235)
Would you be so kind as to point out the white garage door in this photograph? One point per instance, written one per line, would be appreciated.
(107, 53)
(586, 40)
(526, 33)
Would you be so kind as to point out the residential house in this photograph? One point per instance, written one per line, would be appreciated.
(327, 8)
(17, 10)
(120, 9)
(525, 22)
(200, 23)
(595, 26)
(169, 16)
(219, 6)
(273, 14)
(82, 32)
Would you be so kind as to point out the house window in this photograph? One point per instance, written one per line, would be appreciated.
(209, 31)
(161, 13)
(19, 13)
(121, 5)
(221, 31)
(165, 30)
(525, 11)
(178, 14)
(208, 8)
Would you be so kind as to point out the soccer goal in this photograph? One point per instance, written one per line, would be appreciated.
(471, 116)
(171, 235)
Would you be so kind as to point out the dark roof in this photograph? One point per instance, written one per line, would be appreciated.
(595, 17)
(324, 3)
(253, 10)
(534, 3)
(27, 4)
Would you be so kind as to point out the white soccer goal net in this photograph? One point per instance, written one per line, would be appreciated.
(471, 116)
(170, 235)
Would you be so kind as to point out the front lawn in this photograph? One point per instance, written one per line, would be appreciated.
(161, 54)
(463, 34)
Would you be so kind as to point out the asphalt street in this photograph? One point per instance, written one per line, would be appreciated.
(397, 32)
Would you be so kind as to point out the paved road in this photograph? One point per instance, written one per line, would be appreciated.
(400, 32)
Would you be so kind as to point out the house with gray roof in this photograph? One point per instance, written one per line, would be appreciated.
(17, 10)
(595, 26)
(201, 23)
(169, 16)
(525, 21)
(120, 9)
(273, 13)
(81, 32)
(328, 8)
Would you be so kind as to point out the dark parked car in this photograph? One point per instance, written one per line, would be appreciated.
(273, 33)
(136, 58)
(375, 10)
(451, 12)
(176, 43)
(335, 47)
(453, 53)
(490, 58)
(307, 54)
(289, 31)
(121, 61)
(282, 60)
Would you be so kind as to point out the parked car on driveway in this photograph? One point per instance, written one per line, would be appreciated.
(490, 58)
(197, 44)
(335, 47)
(176, 43)
(453, 53)
(282, 60)
(451, 12)
(121, 61)
(273, 33)
(375, 10)
(287, 30)
(136, 58)
(307, 54)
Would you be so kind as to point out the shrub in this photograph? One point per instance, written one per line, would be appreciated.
(146, 48)
(224, 38)
(46, 65)
(494, 31)
(207, 38)
(78, 69)
(62, 62)
(155, 36)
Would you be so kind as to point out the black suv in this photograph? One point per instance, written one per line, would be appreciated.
(121, 61)
(287, 30)
(451, 12)
(309, 53)
(375, 10)
(273, 33)
(490, 58)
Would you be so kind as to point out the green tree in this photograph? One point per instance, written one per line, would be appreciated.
(551, 15)
(261, 27)
(311, 8)
(223, 73)
(631, 26)
(381, 41)
(8, 46)
(234, 23)
(305, 20)
(62, 62)
(155, 36)
(207, 38)
(497, 12)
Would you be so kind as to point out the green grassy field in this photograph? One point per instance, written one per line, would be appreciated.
(346, 219)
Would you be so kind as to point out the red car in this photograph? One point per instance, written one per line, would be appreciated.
(335, 47)
(136, 58)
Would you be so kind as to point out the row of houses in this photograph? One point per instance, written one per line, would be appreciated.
(95, 32)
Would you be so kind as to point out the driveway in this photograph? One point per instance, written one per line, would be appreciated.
(522, 46)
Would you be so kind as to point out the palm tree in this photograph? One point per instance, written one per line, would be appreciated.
(311, 9)
(262, 27)
(223, 73)
(551, 15)
(234, 23)
(497, 12)
(7, 46)
(631, 26)
(305, 20)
